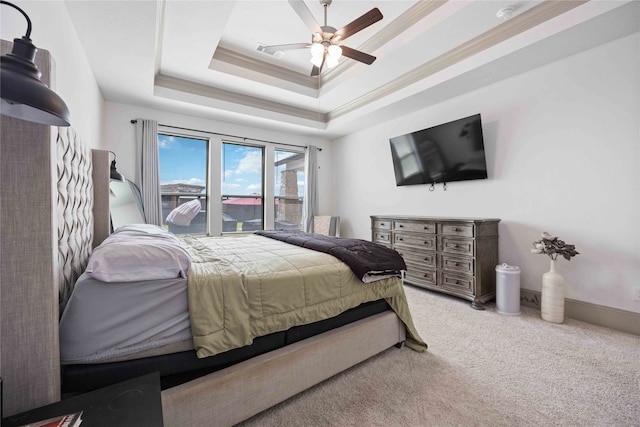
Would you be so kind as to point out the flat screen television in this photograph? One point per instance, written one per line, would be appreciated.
(452, 151)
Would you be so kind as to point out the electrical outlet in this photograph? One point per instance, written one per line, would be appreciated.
(636, 294)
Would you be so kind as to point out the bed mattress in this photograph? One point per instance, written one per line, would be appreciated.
(110, 321)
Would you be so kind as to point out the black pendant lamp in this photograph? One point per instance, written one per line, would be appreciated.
(24, 95)
(115, 175)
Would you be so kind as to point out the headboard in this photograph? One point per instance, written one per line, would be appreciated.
(48, 231)
(74, 208)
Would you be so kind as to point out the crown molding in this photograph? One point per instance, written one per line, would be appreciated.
(258, 104)
(261, 71)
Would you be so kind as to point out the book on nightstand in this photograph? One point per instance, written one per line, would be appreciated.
(69, 420)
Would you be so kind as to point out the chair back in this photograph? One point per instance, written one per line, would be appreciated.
(326, 225)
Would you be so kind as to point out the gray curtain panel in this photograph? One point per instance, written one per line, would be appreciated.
(310, 206)
(148, 169)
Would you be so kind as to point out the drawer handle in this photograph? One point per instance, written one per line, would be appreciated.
(455, 246)
(400, 238)
(426, 242)
(455, 229)
(457, 283)
(456, 264)
(400, 225)
(382, 224)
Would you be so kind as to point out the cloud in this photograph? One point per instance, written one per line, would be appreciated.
(190, 181)
(250, 163)
(164, 141)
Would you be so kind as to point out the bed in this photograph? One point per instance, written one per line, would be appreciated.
(231, 379)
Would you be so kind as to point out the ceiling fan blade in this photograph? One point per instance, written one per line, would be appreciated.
(305, 14)
(371, 17)
(357, 55)
(315, 71)
(277, 47)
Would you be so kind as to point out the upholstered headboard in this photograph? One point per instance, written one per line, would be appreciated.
(74, 208)
(48, 231)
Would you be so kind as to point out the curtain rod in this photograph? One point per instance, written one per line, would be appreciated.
(134, 121)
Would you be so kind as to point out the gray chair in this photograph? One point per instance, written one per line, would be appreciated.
(326, 225)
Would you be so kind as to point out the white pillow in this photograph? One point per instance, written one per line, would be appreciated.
(141, 228)
(183, 214)
(139, 254)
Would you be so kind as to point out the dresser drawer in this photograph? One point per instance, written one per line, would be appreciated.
(421, 277)
(422, 260)
(456, 245)
(417, 240)
(453, 229)
(382, 224)
(457, 264)
(415, 227)
(458, 283)
(383, 237)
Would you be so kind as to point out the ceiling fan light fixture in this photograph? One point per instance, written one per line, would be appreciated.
(334, 51)
(331, 62)
(317, 54)
(317, 60)
(317, 49)
(326, 40)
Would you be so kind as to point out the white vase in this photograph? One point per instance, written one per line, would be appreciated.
(552, 304)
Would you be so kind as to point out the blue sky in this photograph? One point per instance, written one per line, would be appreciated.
(184, 160)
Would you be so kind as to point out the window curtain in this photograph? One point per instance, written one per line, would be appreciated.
(310, 206)
(148, 169)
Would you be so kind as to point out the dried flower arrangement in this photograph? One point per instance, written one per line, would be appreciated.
(552, 246)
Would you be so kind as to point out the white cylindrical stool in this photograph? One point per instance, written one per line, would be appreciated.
(508, 289)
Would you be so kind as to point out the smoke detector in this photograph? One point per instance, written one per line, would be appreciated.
(506, 13)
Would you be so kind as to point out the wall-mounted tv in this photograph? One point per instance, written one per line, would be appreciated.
(452, 151)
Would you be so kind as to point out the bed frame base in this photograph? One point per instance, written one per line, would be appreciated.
(234, 394)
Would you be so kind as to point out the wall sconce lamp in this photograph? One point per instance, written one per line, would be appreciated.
(24, 95)
(115, 175)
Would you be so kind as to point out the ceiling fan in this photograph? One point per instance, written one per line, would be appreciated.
(325, 40)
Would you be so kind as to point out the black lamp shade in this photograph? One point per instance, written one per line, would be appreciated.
(115, 175)
(24, 96)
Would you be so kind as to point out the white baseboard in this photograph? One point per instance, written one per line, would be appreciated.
(620, 320)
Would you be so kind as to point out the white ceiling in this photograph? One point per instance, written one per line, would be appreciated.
(200, 57)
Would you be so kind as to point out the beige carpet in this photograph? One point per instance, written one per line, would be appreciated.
(482, 369)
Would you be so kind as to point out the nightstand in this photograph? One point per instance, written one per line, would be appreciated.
(132, 403)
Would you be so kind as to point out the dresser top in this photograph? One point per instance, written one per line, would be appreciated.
(435, 218)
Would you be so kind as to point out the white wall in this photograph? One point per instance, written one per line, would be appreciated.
(119, 137)
(562, 144)
(53, 30)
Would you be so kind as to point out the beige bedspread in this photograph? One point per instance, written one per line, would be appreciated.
(244, 287)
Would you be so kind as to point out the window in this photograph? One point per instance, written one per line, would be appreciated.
(183, 179)
(288, 189)
(242, 187)
(237, 192)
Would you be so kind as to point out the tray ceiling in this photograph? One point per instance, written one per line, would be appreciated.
(202, 58)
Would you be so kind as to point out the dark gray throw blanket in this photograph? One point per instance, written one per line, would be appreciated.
(368, 261)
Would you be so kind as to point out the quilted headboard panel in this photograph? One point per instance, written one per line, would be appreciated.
(74, 210)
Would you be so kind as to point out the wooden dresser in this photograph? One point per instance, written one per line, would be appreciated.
(457, 256)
